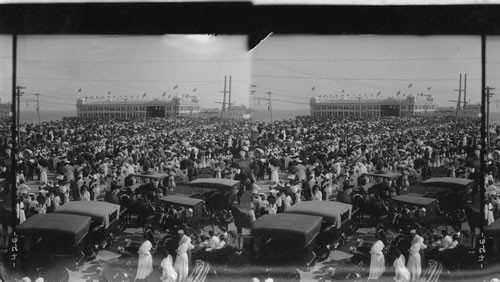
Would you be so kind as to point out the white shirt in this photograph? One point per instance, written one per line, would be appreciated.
(446, 242)
(213, 242)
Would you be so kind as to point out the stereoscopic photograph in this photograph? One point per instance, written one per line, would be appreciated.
(196, 157)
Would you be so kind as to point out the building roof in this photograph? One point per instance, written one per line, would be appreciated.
(370, 101)
(134, 102)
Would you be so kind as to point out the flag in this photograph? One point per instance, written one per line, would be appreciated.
(38, 108)
(378, 94)
(80, 90)
(404, 94)
(313, 88)
(342, 90)
(194, 90)
(144, 95)
(114, 97)
(169, 96)
(399, 92)
(411, 84)
(175, 87)
(109, 92)
(429, 88)
(269, 107)
(164, 94)
(103, 97)
(86, 97)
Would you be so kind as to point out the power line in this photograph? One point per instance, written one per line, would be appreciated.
(388, 79)
(320, 76)
(364, 60)
(136, 62)
(284, 101)
(134, 80)
(287, 95)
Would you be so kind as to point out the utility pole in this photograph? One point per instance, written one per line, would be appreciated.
(229, 106)
(465, 93)
(18, 95)
(271, 109)
(12, 244)
(488, 96)
(359, 104)
(38, 112)
(459, 97)
(224, 101)
(252, 91)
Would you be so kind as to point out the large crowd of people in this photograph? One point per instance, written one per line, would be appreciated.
(323, 159)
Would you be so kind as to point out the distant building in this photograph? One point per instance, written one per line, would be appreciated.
(236, 112)
(359, 107)
(107, 109)
(5, 109)
(210, 113)
(469, 111)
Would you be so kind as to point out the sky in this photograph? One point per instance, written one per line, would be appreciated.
(290, 67)
(57, 67)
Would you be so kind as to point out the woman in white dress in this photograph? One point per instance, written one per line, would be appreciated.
(377, 262)
(414, 260)
(145, 265)
(182, 260)
(168, 274)
(488, 212)
(401, 272)
(274, 173)
(43, 175)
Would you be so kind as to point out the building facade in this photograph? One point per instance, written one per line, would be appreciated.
(409, 106)
(5, 109)
(109, 109)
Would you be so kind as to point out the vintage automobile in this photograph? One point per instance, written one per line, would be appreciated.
(45, 237)
(105, 219)
(142, 179)
(451, 192)
(373, 177)
(413, 200)
(492, 233)
(438, 184)
(218, 193)
(336, 219)
(273, 236)
(196, 205)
